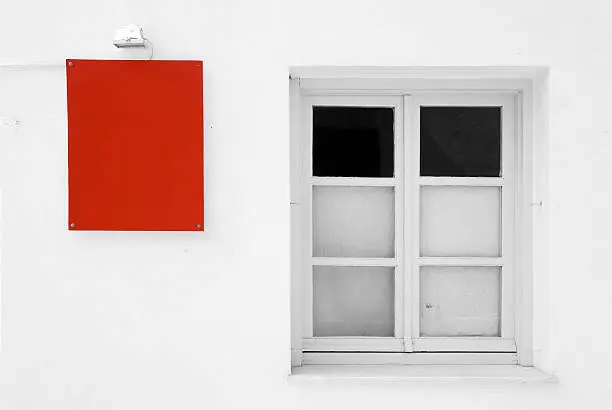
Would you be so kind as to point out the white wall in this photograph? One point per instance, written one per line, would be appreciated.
(102, 320)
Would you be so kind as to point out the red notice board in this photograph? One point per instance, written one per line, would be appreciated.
(135, 145)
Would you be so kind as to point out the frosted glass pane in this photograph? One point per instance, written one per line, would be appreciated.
(460, 301)
(353, 221)
(460, 221)
(353, 301)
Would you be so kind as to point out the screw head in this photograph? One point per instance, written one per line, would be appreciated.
(70, 63)
(72, 225)
(198, 226)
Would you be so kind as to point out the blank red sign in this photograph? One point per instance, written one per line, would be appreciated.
(135, 145)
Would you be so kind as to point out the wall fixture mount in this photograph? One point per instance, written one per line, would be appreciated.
(129, 36)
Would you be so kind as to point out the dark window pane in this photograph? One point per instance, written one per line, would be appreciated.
(460, 141)
(352, 142)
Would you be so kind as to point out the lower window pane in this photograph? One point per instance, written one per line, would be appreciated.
(460, 301)
(353, 301)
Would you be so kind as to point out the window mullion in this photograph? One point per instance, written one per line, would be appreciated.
(411, 222)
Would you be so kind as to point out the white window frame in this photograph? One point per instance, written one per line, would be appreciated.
(405, 90)
(380, 344)
(507, 101)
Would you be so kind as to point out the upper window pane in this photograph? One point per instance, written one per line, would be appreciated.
(352, 142)
(461, 141)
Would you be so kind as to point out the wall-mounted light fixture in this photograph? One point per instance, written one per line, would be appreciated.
(132, 36)
(129, 36)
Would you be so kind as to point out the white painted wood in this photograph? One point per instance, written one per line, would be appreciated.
(409, 86)
(460, 261)
(509, 209)
(524, 222)
(353, 101)
(374, 358)
(349, 181)
(474, 99)
(455, 90)
(421, 373)
(306, 218)
(320, 91)
(398, 304)
(460, 181)
(460, 221)
(408, 229)
(465, 99)
(412, 183)
(341, 261)
(398, 173)
(296, 223)
(352, 344)
(310, 182)
(467, 344)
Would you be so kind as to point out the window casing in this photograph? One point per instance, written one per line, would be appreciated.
(438, 277)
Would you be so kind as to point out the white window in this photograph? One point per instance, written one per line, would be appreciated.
(405, 224)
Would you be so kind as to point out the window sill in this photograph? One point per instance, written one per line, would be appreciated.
(495, 374)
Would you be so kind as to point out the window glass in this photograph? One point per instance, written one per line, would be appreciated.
(353, 221)
(461, 141)
(353, 301)
(352, 142)
(460, 221)
(460, 301)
